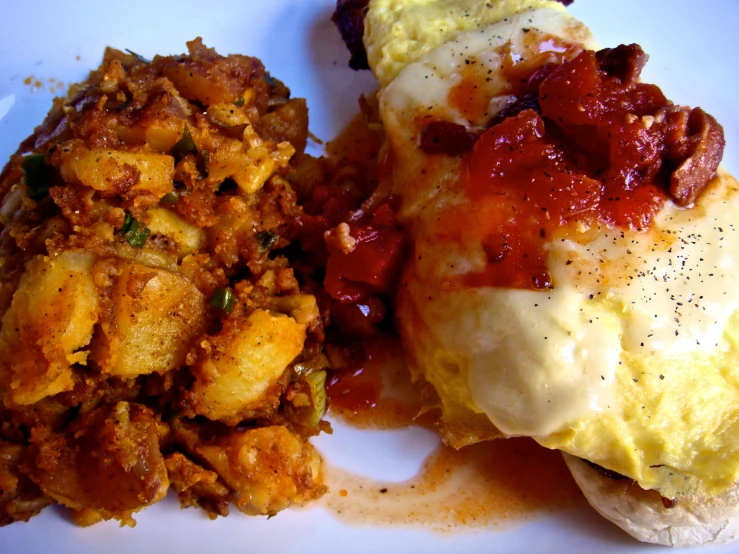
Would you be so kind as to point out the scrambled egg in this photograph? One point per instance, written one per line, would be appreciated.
(398, 32)
(631, 360)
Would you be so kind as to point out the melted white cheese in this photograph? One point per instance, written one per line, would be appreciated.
(536, 362)
(549, 358)
(675, 285)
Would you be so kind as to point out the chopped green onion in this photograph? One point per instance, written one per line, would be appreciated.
(134, 232)
(169, 198)
(38, 174)
(126, 223)
(206, 161)
(266, 239)
(317, 389)
(186, 145)
(223, 299)
(138, 57)
(240, 102)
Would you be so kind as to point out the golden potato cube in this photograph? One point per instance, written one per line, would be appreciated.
(226, 160)
(51, 317)
(303, 308)
(268, 468)
(106, 464)
(170, 224)
(246, 361)
(117, 173)
(225, 114)
(156, 314)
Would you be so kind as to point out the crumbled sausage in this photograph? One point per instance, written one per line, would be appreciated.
(445, 137)
(625, 62)
(695, 145)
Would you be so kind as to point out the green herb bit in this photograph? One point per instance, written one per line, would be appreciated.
(316, 382)
(186, 145)
(240, 102)
(169, 198)
(266, 239)
(223, 299)
(39, 176)
(206, 162)
(134, 232)
(139, 58)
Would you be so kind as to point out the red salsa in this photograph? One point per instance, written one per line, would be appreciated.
(585, 145)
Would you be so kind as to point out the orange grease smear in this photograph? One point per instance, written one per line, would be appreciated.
(499, 483)
(465, 95)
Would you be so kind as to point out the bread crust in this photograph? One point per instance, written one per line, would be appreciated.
(693, 521)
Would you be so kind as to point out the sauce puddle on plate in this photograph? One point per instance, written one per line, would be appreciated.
(492, 484)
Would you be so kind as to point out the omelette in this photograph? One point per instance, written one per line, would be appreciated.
(573, 241)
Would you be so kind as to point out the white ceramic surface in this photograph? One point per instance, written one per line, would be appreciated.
(691, 43)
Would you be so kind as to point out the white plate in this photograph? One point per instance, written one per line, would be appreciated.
(693, 57)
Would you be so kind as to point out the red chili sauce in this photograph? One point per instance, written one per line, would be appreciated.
(586, 145)
(353, 246)
(349, 233)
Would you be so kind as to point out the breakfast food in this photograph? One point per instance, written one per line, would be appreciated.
(153, 334)
(572, 254)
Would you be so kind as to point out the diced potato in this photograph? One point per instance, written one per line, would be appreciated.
(20, 498)
(170, 224)
(303, 308)
(246, 361)
(148, 257)
(227, 115)
(268, 468)
(250, 163)
(106, 464)
(197, 81)
(235, 228)
(50, 319)
(115, 173)
(162, 134)
(228, 158)
(164, 117)
(264, 158)
(156, 314)
(286, 122)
